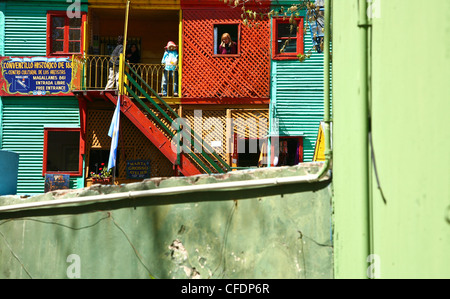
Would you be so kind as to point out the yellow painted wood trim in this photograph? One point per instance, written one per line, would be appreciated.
(180, 52)
(233, 108)
(85, 38)
(135, 6)
(319, 150)
(121, 73)
(168, 100)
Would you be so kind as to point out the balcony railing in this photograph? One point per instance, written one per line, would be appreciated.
(91, 72)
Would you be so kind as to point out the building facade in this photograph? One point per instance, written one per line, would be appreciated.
(59, 123)
(27, 119)
(296, 100)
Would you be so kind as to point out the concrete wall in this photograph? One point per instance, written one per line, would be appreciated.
(270, 232)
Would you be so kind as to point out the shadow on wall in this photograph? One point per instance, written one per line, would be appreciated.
(262, 232)
(187, 197)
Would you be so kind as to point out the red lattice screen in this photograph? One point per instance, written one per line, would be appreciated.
(207, 76)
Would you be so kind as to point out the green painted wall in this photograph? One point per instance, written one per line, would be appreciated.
(350, 153)
(24, 33)
(26, 25)
(24, 119)
(297, 93)
(1, 123)
(270, 232)
(2, 28)
(408, 101)
(2, 53)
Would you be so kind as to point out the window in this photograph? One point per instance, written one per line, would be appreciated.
(287, 39)
(249, 156)
(290, 151)
(64, 34)
(98, 159)
(62, 151)
(234, 31)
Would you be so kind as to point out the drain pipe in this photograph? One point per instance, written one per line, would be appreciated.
(310, 178)
(363, 108)
(327, 87)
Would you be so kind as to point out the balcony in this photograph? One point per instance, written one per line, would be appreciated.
(91, 73)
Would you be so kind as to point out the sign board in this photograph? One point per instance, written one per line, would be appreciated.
(138, 169)
(56, 182)
(35, 76)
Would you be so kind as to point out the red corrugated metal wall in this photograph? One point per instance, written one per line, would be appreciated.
(205, 76)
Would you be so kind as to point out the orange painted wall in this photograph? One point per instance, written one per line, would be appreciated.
(154, 28)
(246, 76)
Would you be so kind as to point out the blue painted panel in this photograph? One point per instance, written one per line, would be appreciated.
(8, 176)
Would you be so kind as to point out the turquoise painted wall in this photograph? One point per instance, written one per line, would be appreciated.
(1, 123)
(2, 28)
(26, 25)
(2, 53)
(297, 93)
(24, 119)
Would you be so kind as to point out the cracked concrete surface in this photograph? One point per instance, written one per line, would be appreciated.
(270, 232)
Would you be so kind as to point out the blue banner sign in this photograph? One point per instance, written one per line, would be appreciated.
(35, 76)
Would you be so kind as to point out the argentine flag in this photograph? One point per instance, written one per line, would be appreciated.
(114, 134)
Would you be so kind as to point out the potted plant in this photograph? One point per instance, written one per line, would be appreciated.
(103, 177)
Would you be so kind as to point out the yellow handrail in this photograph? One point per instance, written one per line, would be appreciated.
(121, 74)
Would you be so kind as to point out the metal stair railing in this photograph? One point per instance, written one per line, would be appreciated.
(221, 166)
(89, 72)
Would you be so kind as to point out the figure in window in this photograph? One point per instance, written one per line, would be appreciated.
(132, 54)
(227, 46)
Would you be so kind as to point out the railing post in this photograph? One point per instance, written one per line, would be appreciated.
(84, 73)
(178, 162)
(73, 73)
(121, 73)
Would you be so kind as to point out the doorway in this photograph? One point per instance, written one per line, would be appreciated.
(149, 29)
